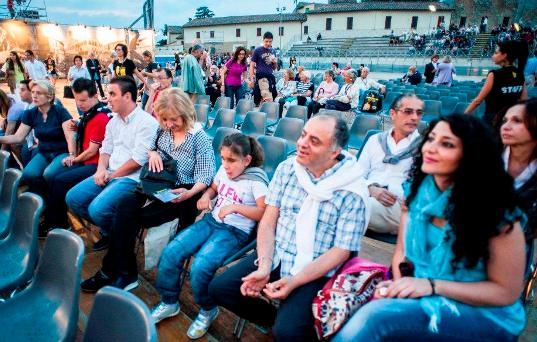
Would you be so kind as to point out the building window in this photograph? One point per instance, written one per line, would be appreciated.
(388, 22)
(349, 23)
(306, 29)
(237, 33)
(414, 24)
(211, 34)
(462, 22)
(259, 31)
(328, 24)
(280, 31)
(198, 35)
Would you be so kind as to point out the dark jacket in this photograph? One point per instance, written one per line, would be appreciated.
(413, 79)
(94, 68)
(429, 72)
(527, 201)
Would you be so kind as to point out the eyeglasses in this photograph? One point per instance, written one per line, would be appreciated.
(410, 111)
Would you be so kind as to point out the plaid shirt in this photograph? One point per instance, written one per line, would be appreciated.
(341, 220)
(195, 156)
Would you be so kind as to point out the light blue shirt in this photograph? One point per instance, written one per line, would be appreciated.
(76, 73)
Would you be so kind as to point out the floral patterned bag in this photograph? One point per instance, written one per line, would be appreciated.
(352, 286)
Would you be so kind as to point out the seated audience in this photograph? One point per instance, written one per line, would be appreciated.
(413, 76)
(51, 124)
(458, 266)
(327, 89)
(83, 164)
(299, 69)
(240, 187)
(385, 161)
(285, 87)
(163, 80)
(315, 217)
(304, 91)
(364, 83)
(78, 70)
(213, 84)
(124, 150)
(180, 139)
(348, 95)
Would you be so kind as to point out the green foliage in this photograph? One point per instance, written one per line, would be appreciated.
(203, 12)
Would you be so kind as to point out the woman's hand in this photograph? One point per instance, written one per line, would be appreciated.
(204, 203)
(68, 161)
(155, 162)
(185, 194)
(406, 287)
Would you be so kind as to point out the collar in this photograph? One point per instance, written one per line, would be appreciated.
(330, 171)
(409, 137)
(132, 115)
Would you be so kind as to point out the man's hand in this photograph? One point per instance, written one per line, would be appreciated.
(280, 289)
(382, 195)
(68, 161)
(253, 283)
(185, 194)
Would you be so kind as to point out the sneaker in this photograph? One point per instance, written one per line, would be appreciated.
(202, 323)
(163, 311)
(102, 244)
(126, 283)
(95, 283)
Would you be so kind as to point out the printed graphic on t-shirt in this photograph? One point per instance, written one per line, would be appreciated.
(512, 89)
(227, 196)
(267, 57)
(121, 71)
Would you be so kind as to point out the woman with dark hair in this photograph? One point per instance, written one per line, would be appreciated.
(14, 70)
(504, 86)
(78, 70)
(461, 242)
(123, 66)
(234, 74)
(52, 73)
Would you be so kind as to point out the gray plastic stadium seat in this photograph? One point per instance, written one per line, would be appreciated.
(422, 127)
(19, 252)
(298, 112)
(442, 92)
(271, 109)
(290, 130)
(369, 134)
(431, 110)
(433, 95)
(48, 309)
(463, 97)
(361, 125)
(254, 124)
(4, 159)
(243, 107)
(424, 96)
(387, 102)
(221, 102)
(203, 99)
(224, 118)
(275, 150)
(219, 136)
(202, 113)
(448, 104)
(118, 315)
(8, 199)
(460, 107)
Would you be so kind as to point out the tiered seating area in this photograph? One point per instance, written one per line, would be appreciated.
(339, 47)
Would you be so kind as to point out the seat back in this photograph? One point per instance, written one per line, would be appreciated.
(424, 96)
(222, 102)
(255, 123)
(202, 113)
(298, 112)
(368, 135)
(220, 134)
(224, 118)
(390, 98)
(243, 106)
(271, 109)
(118, 315)
(8, 199)
(363, 123)
(275, 151)
(463, 97)
(433, 95)
(289, 129)
(422, 127)
(448, 104)
(4, 159)
(432, 108)
(203, 99)
(442, 92)
(460, 107)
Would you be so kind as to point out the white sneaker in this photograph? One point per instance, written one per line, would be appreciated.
(163, 311)
(202, 323)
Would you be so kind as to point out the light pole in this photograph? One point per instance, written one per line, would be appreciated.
(432, 9)
(280, 11)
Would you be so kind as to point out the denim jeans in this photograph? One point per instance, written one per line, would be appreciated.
(145, 98)
(98, 204)
(235, 93)
(384, 320)
(42, 167)
(212, 243)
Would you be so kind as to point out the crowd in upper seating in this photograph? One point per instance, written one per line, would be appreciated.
(462, 244)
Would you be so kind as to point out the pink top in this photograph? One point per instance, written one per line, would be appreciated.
(326, 89)
(234, 72)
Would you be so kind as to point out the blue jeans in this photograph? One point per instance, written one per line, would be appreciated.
(145, 97)
(405, 320)
(212, 243)
(42, 168)
(98, 204)
(235, 93)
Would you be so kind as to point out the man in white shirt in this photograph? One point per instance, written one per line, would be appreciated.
(386, 160)
(364, 83)
(124, 150)
(35, 68)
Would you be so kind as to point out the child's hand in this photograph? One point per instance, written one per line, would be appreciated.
(204, 203)
(224, 211)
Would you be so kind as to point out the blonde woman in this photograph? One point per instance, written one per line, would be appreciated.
(51, 124)
(184, 141)
(285, 87)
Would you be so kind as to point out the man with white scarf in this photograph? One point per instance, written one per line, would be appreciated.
(316, 214)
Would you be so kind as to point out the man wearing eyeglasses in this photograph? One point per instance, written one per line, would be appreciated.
(163, 80)
(385, 161)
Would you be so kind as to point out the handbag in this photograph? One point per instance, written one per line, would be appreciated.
(151, 182)
(349, 289)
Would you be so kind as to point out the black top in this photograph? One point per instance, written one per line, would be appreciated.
(124, 69)
(527, 201)
(429, 72)
(51, 66)
(94, 68)
(505, 92)
(49, 133)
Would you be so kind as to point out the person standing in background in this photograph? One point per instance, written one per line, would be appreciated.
(94, 68)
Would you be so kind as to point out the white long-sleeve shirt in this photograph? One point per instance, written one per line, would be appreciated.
(36, 70)
(75, 73)
(129, 138)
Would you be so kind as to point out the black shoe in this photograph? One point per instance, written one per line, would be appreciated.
(101, 244)
(126, 283)
(96, 282)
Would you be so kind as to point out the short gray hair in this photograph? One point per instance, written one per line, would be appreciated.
(352, 74)
(341, 130)
(197, 47)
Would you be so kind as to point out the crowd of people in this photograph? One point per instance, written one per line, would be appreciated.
(466, 241)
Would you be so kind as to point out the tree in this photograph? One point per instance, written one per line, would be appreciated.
(165, 30)
(203, 12)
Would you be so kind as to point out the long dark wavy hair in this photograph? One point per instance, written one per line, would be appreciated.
(11, 65)
(482, 190)
(236, 55)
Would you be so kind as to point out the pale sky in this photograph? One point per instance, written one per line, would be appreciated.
(171, 12)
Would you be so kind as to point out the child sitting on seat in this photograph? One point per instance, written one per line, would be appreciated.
(240, 187)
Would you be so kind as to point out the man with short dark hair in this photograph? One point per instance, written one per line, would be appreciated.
(430, 68)
(315, 217)
(124, 150)
(262, 64)
(35, 69)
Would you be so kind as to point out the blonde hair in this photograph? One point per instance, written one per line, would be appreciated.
(174, 103)
(46, 86)
(290, 74)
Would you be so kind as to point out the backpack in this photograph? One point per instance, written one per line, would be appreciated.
(350, 288)
(372, 101)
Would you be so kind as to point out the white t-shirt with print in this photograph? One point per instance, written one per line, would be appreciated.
(232, 192)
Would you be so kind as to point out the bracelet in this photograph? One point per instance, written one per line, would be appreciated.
(71, 154)
(433, 286)
(256, 261)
